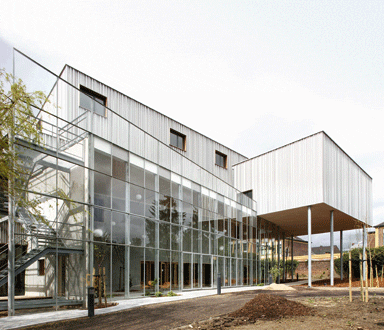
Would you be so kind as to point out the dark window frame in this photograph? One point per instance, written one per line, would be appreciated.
(183, 137)
(248, 193)
(95, 98)
(224, 157)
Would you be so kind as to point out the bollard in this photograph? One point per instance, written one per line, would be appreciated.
(218, 283)
(270, 279)
(91, 301)
(297, 276)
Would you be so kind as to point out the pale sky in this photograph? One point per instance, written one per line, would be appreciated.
(253, 75)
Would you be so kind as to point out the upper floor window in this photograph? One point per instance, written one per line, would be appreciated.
(221, 159)
(248, 193)
(177, 140)
(93, 101)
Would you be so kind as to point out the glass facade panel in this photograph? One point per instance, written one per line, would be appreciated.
(137, 200)
(151, 208)
(206, 271)
(164, 236)
(149, 223)
(136, 271)
(137, 231)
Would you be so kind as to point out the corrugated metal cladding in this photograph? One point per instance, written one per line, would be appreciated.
(285, 178)
(310, 171)
(199, 148)
(346, 186)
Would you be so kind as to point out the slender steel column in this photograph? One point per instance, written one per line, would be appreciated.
(332, 263)
(309, 247)
(283, 257)
(11, 221)
(292, 257)
(341, 254)
(278, 255)
(11, 251)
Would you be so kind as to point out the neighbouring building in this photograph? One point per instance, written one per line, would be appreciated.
(155, 205)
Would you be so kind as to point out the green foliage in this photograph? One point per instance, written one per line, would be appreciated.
(158, 294)
(276, 272)
(17, 121)
(288, 265)
(154, 282)
(377, 260)
(269, 264)
(171, 294)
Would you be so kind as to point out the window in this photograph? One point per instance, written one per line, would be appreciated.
(248, 194)
(93, 101)
(221, 159)
(41, 267)
(177, 140)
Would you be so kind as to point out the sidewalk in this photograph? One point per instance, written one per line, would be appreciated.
(14, 322)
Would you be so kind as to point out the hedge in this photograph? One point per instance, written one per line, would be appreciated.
(377, 260)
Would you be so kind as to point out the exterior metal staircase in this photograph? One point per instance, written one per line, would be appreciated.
(44, 240)
(32, 256)
(38, 238)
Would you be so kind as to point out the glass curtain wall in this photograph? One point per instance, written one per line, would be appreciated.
(152, 224)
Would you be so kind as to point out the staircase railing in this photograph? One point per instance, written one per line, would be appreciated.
(20, 251)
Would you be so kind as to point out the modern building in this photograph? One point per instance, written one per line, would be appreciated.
(153, 204)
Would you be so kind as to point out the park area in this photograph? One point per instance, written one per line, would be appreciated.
(277, 306)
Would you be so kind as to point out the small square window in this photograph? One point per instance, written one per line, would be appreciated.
(93, 101)
(177, 140)
(221, 159)
(248, 193)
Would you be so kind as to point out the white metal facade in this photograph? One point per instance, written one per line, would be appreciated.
(199, 148)
(309, 171)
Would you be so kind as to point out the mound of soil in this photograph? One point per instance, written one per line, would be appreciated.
(268, 306)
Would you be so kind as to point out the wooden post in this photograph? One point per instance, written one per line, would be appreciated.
(370, 268)
(366, 282)
(350, 276)
(361, 277)
(377, 278)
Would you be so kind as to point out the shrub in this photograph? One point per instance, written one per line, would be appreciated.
(377, 260)
(171, 294)
(276, 272)
(158, 294)
(288, 266)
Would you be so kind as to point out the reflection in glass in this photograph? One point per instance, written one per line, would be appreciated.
(150, 204)
(102, 190)
(150, 233)
(102, 162)
(118, 194)
(137, 231)
(137, 200)
(187, 239)
(136, 258)
(118, 228)
(164, 236)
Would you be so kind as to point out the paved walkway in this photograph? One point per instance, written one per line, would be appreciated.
(14, 322)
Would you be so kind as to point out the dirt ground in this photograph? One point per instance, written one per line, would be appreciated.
(376, 282)
(314, 308)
